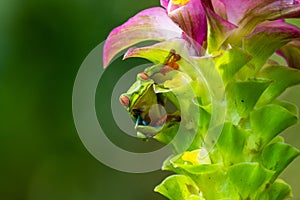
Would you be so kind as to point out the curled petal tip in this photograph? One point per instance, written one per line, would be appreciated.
(150, 24)
(130, 52)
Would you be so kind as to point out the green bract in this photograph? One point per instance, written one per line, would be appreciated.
(219, 66)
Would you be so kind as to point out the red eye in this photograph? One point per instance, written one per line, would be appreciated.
(124, 100)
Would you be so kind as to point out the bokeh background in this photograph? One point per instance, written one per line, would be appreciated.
(42, 45)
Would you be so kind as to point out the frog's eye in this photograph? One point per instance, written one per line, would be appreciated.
(124, 100)
(143, 76)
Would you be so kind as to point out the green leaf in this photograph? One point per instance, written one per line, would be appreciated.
(231, 144)
(287, 105)
(278, 156)
(280, 190)
(248, 178)
(282, 77)
(231, 61)
(167, 134)
(194, 197)
(277, 139)
(214, 185)
(242, 97)
(267, 122)
(291, 53)
(212, 180)
(200, 169)
(177, 187)
(209, 72)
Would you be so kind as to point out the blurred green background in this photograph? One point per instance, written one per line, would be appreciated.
(42, 45)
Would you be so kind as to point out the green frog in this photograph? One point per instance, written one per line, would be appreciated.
(151, 105)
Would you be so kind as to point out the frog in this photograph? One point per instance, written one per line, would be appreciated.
(151, 106)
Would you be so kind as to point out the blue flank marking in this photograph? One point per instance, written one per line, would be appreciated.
(144, 123)
(137, 120)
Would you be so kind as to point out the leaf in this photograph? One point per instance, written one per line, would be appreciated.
(167, 134)
(194, 197)
(280, 190)
(231, 144)
(287, 105)
(207, 71)
(211, 178)
(282, 77)
(291, 53)
(214, 183)
(278, 156)
(231, 61)
(268, 121)
(150, 24)
(248, 178)
(242, 97)
(177, 187)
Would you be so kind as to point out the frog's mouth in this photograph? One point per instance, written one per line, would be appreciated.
(152, 111)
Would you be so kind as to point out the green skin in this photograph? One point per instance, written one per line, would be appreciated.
(152, 111)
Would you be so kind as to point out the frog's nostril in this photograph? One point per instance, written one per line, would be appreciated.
(124, 100)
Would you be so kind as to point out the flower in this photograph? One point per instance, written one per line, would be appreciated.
(214, 54)
(247, 27)
(185, 20)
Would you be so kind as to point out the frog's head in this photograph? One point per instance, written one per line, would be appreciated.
(148, 108)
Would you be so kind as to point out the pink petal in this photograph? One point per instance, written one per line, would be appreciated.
(279, 10)
(236, 9)
(191, 19)
(150, 24)
(219, 8)
(267, 38)
(164, 3)
(241, 12)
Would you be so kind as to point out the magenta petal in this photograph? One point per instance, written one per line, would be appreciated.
(150, 24)
(240, 12)
(164, 3)
(282, 9)
(219, 8)
(191, 19)
(236, 9)
(291, 53)
(267, 38)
